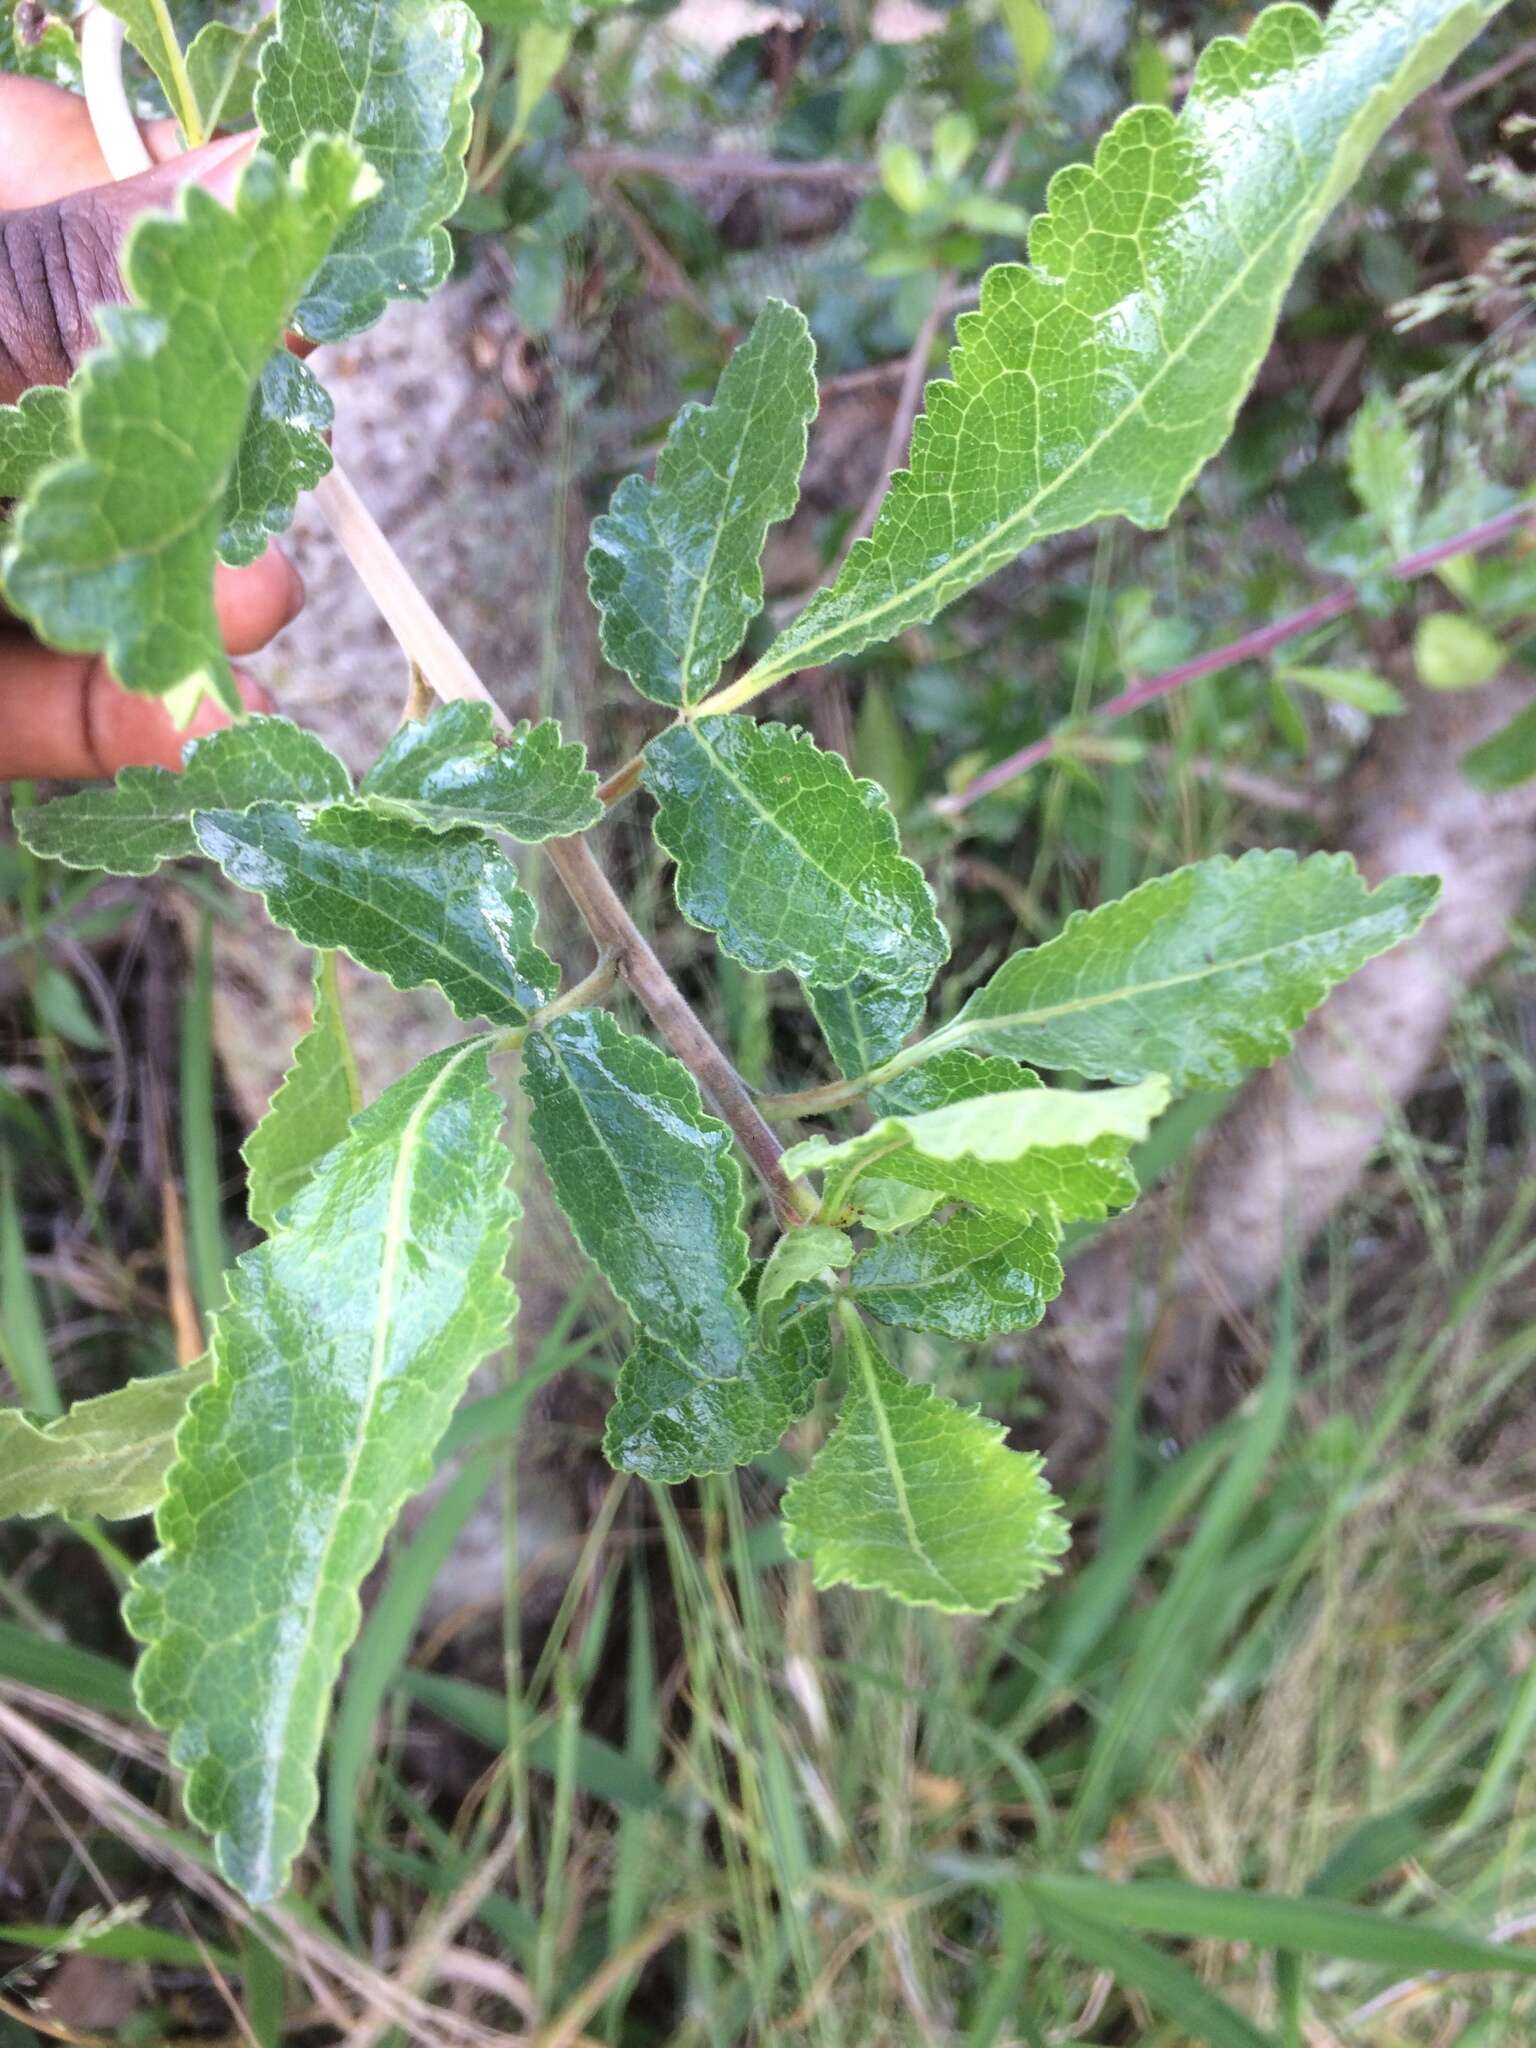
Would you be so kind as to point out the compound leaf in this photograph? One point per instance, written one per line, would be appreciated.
(398, 81)
(107, 1456)
(648, 1181)
(414, 905)
(112, 552)
(337, 1363)
(309, 1112)
(35, 432)
(1031, 1153)
(1099, 379)
(971, 1277)
(145, 817)
(1196, 975)
(913, 1496)
(673, 565)
(450, 768)
(787, 858)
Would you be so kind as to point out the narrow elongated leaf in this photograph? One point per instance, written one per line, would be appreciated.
(146, 815)
(1033, 1153)
(414, 905)
(35, 432)
(789, 860)
(107, 1456)
(673, 566)
(309, 1114)
(282, 454)
(972, 1277)
(346, 1344)
(113, 550)
(1196, 975)
(1100, 379)
(397, 80)
(450, 768)
(673, 1419)
(648, 1180)
(916, 1497)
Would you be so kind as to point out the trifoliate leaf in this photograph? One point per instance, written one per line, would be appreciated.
(108, 1456)
(915, 1497)
(450, 768)
(674, 1419)
(1050, 1153)
(146, 815)
(413, 905)
(112, 552)
(673, 566)
(648, 1180)
(972, 1277)
(346, 1343)
(398, 81)
(1100, 379)
(800, 1256)
(1196, 975)
(787, 858)
(282, 454)
(34, 433)
(1453, 652)
(866, 1021)
(310, 1111)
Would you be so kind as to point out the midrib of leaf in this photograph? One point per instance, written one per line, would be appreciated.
(176, 63)
(767, 672)
(702, 590)
(954, 1272)
(405, 1163)
(859, 1340)
(775, 825)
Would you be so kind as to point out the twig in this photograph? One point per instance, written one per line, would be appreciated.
(1247, 647)
(1512, 60)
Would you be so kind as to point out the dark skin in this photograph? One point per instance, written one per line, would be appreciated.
(62, 223)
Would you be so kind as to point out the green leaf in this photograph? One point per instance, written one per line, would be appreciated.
(1032, 1153)
(867, 1020)
(946, 1078)
(221, 66)
(1361, 688)
(972, 1277)
(346, 1343)
(38, 431)
(1196, 975)
(1453, 652)
(1099, 380)
(787, 858)
(648, 1180)
(673, 566)
(310, 1111)
(913, 1496)
(145, 817)
(398, 81)
(113, 551)
(35, 44)
(450, 768)
(1386, 468)
(108, 1456)
(801, 1256)
(413, 905)
(152, 33)
(1508, 758)
(282, 453)
(675, 1419)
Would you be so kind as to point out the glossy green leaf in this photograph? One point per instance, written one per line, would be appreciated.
(801, 1256)
(414, 905)
(345, 1346)
(1453, 652)
(867, 1020)
(107, 1456)
(1033, 1153)
(1508, 758)
(949, 1077)
(145, 817)
(450, 768)
(1101, 378)
(398, 81)
(37, 431)
(282, 454)
(112, 552)
(648, 1180)
(787, 858)
(1196, 975)
(674, 1419)
(310, 1110)
(673, 566)
(916, 1497)
(971, 1277)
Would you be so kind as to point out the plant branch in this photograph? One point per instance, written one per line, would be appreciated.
(1247, 647)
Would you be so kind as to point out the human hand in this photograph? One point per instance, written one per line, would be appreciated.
(62, 221)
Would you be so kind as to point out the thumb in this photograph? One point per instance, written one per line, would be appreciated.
(63, 260)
